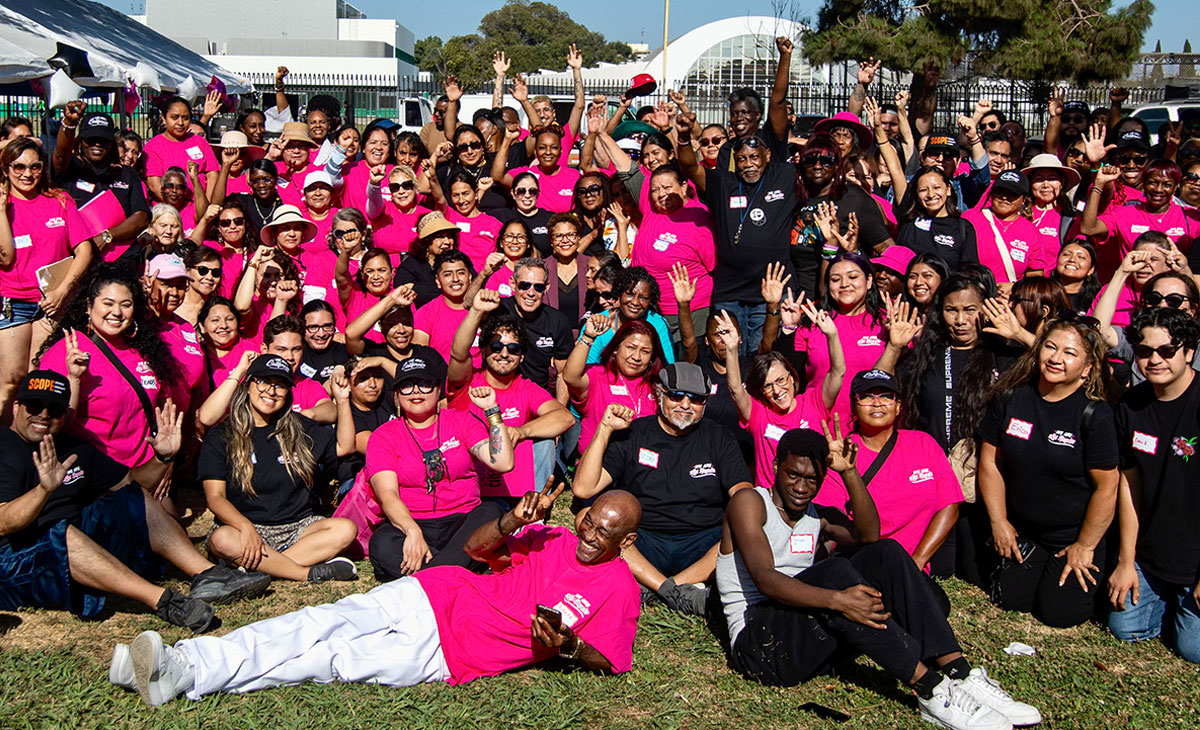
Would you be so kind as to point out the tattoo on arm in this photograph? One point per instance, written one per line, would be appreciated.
(859, 93)
(495, 442)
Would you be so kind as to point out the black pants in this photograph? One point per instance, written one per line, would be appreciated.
(1032, 587)
(784, 645)
(445, 536)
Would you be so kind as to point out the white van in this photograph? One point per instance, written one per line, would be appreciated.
(1156, 115)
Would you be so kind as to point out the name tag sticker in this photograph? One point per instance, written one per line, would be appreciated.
(774, 432)
(801, 544)
(649, 458)
(923, 223)
(661, 245)
(738, 201)
(1019, 429)
(149, 382)
(195, 153)
(24, 241)
(1144, 442)
(619, 390)
(85, 186)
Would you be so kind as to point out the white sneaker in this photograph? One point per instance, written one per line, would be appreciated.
(988, 693)
(162, 672)
(120, 671)
(953, 708)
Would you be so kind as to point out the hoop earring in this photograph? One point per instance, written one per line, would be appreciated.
(133, 334)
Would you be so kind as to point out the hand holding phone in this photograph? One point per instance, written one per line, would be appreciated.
(550, 616)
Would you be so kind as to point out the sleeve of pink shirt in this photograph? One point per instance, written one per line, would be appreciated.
(383, 450)
(155, 166)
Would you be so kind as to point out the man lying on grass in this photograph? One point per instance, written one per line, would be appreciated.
(790, 606)
(552, 594)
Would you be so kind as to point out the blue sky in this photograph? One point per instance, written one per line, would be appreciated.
(636, 21)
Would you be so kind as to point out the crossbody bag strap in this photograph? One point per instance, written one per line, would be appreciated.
(1001, 246)
(138, 390)
(880, 457)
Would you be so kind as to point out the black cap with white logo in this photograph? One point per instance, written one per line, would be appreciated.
(271, 366)
(1013, 181)
(873, 380)
(96, 126)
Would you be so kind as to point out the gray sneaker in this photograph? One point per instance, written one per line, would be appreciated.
(186, 611)
(685, 598)
(161, 672)
(221, 584)
(335, 569)
(120, 671)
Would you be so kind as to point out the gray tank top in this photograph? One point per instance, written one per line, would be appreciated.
(793, 548)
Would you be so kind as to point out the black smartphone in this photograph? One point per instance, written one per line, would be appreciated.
(552, 617)
(825, 713)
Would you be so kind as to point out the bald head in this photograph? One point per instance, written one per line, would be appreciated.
(607, 527)
(623, 506)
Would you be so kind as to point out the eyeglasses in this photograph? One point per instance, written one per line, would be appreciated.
(885, 399)
(1173, 300)
(466, 146)
(778, 384)
(53, 410)
(591, 190)
(165, 186)
(522, 192)
(1074, 152)
(822, 160)
(537, 286)
(514, 237)
(213, 271)
(231, 222)
(313, 329)
(564, 236)
(678, 395)
(398, 186)
(424, 387)
(1138, 160)
(270, 386)
(606, 295)
(514, 348)
(340, 233)
(21, 167)
(1166, 352)
(1191, 177)
(994, 124)
(751, 141)
(712, 141)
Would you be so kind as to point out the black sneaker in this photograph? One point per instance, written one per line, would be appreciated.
(180, 610)
(220, 584)
(335, 569)
(685, 598)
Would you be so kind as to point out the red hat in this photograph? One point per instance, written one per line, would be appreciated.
(846, 119)
(641, 85)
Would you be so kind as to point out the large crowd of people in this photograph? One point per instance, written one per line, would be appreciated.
(793, 380)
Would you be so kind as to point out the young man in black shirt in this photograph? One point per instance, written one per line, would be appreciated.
(683, 469)
(75, 525)
(1157, 577)
(322, 353)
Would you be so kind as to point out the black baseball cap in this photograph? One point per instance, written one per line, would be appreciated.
(271, 366)
(97, 125)
(1013, 181)
(685, 377)
(873, 380)
(941, 143)
(1077, 106)
(46, 386)
(421, 369)
(1134, 138)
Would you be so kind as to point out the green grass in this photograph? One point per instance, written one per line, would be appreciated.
(54, 670)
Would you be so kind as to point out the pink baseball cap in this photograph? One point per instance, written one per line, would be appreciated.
(895, 258)
(167, 266)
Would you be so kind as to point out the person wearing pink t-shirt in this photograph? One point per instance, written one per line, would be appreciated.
(176, 147)
(516, 243)
(1147, 260)
(353, 176)
(1157, 212)
(270, 286)
(556, 182)
(169, 280)
(914, 488)
(394, 220)
(437, 321)
(477, 231)
(1009, 244)
(231, 244)
(444, 625)
(224, 347)
(366, 288)
(294, 163)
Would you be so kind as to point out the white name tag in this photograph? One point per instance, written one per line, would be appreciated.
(619, 390)
(1019, 429)
(314, 292)
(774, 432)
(649, 458)
(189, 336)
(801, 544)
(24, 241)
(661, 245)
(923, 223)
(195, 153)
(464, 226)
(1144, 442)
(149, 382)
(85, 186)
(738, 201)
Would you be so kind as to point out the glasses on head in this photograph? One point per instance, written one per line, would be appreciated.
(313, 329)
(1166, 352)
(751, 141)
(21, 167)
(1174, 300)
(424, 387)
(537, 286)
(715, 141)
(523, 192)
(231, 222)
(468, 146)
(591, 190)
(271, 386)
(1138, 160)
(340, 233)
(53, 410)
(170, 186)
(405, 185)
(513, 348)
(822, 160)
(678, 396)
(213, 271)
(885, 399)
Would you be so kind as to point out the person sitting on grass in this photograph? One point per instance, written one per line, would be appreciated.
(553, 594)
(789, 606)
(75, 525)
(683, 468)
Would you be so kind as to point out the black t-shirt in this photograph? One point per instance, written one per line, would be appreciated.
(1045, 458)
(568, 296)
(537, 226)
(368, 420)
(417, 271)
(1161, 439)
(492, 200)
(379, 349)
(872, 228)
(682, 482)
(279, 498)
(550, 338)
(950, 237)
(765, 214)
(319, 364)
(84, 182)
(778, 147)
(721, 408)
(944, 381)
(86, 481)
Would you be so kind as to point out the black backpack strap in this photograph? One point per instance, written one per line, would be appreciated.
(879, 459)
(138, 390)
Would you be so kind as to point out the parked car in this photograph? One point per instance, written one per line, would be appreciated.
(1159, 113)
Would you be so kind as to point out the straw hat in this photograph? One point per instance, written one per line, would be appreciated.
(236, 139)
(432, 223)
(283, 215)
(1048, 161)
(296, 132)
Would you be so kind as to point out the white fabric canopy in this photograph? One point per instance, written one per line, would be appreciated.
(31, 29)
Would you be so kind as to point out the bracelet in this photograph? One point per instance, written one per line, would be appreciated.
(279, 87)
(772, 313)
(493, 411)
(574, 653)
(65, 126)
(500, 525)
(164, 459)
(584, 339)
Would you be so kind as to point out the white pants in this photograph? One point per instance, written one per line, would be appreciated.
(386, 636)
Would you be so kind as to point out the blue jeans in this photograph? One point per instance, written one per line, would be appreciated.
(750, 318)
(543, 461)
(670, 554)
(1145, 620)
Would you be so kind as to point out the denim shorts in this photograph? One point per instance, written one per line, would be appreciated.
(14, 312)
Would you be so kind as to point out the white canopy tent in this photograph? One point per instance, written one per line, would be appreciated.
(30, 31)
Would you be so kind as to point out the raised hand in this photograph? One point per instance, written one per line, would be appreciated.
(73, 113)
(682, 284)
(901, 101)
(727, 332)
(683, 125)
(167, 442)
(1107, 175)
(534, 506)
(453, 90)
(287, 290)
(1174, 134)
(500, 63)
(339, 384)
(874, 119)
(677, 98)
(51, 471)
(483, 397)
(375, 175)
(904, 322)
(77, 359)
(487, 300)
(485, 183)
(493, 262)
(820, 318)
(867, 69)
(1055, 106)
(1093, 144)
(229, 155)
(574, 57)
(617, 417)
(212, 104)
(618, 214)
(785, 46)
(843, 452)
(789, 310)
(773, 283)
(520, 90)
(1118, 95)
(193, 170)
(1136, 261)
(1002, 321)
(280, 74)
(982, 107)
(966, 125)
(825, 216)
(850, 238)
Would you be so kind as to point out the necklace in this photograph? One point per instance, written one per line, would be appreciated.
(265, 216)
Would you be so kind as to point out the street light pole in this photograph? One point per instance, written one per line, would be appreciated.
(666, 21)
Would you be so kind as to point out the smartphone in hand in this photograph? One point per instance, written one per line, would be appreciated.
(550, 616)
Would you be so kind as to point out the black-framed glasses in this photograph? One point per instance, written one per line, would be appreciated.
(522, 192)
(231, 222)
(213, 271)
(678, 396)
(313, 329)
(750, 141)
(424, 387)
(513, 348)
(435, 468)
(271, 385)
(1139, 160)
(467, 146)
(1174, 300)
(340, 233)
(514, 237)
(596, 189)
(822, 160)
(53, 410)
(564, 236)
(537, 286)
(398, 186)
(1166, 352)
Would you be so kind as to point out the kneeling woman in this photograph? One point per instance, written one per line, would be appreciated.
(1048, 474)
(421, 480)
(258, 468)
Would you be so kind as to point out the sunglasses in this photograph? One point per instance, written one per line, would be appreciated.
(20, 167)
(750, 141)
(1191, 177)
(1074, 152)
(591, 190)
(1166, 352)
(606, 295)
(1138, 160)
(1173, 300)
(165, 186)
(537, 286)
(513, 348)
(822, 160)
(213, 271)
(341, 233)
(678, 395)
(712, 141)
(398, 186)
(521, 192)
(53, 410)
(990, 125)
(1074, 119)
(231, 222)
(412, 386)
(467, 146)
(939, 155)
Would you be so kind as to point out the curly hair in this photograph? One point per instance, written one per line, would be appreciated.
(629, 278)
(500, 323)
(147, 329)
(1098, 385)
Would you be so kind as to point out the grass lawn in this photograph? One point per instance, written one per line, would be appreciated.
(55, 670)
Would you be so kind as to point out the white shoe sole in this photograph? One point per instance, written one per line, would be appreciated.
(120, 670)
(147, 651)
(940, 723)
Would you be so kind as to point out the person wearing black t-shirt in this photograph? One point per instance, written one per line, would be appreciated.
(395, 317)
(1048, 475)
(322, 353)
(358, 389)
(931, 222)
(746, 111)
(435, 235)
(683, 468)
(1157, 578)
(76, 525)
(259, 468)
(525, 190)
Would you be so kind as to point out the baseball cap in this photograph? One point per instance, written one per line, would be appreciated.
(421, 369)
(1132, 138)
(96, 125)
(872, 380)
(1012, 181)
(1077, 106)
(46, 386)
(316, 177)
(167, 266)
(685, 377)
(271, 366)
(941, 143)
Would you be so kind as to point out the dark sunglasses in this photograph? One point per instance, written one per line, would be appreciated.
(53, 410)
(1138, 160)
(679, 395)
(1174, 300)
(1191, 177)
(406, 185)
(537, 286)
(606, 295)
(750, 141)
(822, 160)
(1074, 119)
(213, 271)
(591, 190)
(712, 141)
(1166, 352)
(231, 222)
(939, 155)
(408, 388)
(1074, 152)
(466, 146)
(514, 348)
(165, 186)
(525, 191)
(341, 233)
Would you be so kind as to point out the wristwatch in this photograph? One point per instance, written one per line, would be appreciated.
(106, 237)
(574, 652)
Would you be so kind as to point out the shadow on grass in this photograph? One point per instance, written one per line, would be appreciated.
(8, 622)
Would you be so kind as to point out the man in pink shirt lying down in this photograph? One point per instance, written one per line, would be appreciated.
(552, 594)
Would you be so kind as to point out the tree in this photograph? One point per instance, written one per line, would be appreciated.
(1187, 69)
(534, 35)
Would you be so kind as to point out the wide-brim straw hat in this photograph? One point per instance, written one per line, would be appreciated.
(1049, 161)
(283, 215)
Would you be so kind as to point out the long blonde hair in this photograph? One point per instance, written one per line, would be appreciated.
(295, 446)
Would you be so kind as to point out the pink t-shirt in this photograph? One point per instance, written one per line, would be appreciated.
(110, 416)
(236, 184)
(394, 230)
(1047, 222)
(1021, 239)
(290, 192)
(44, 230)
(862, 344)
(685, 236)
(162, 152)
(354, 186)
(319, 242)
(307, 393)
(604, 387)
(555, 191)
(484, 620)
(184, 346)
(519, 404)
(914, 483)
(187, 215)
(438, 320)
(220, 366)
(1127, 304)
(477, 236)
(767, 426)
(233, 263)
(359, 302)
(397, 447)
(1126, 222)
(501, 282)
